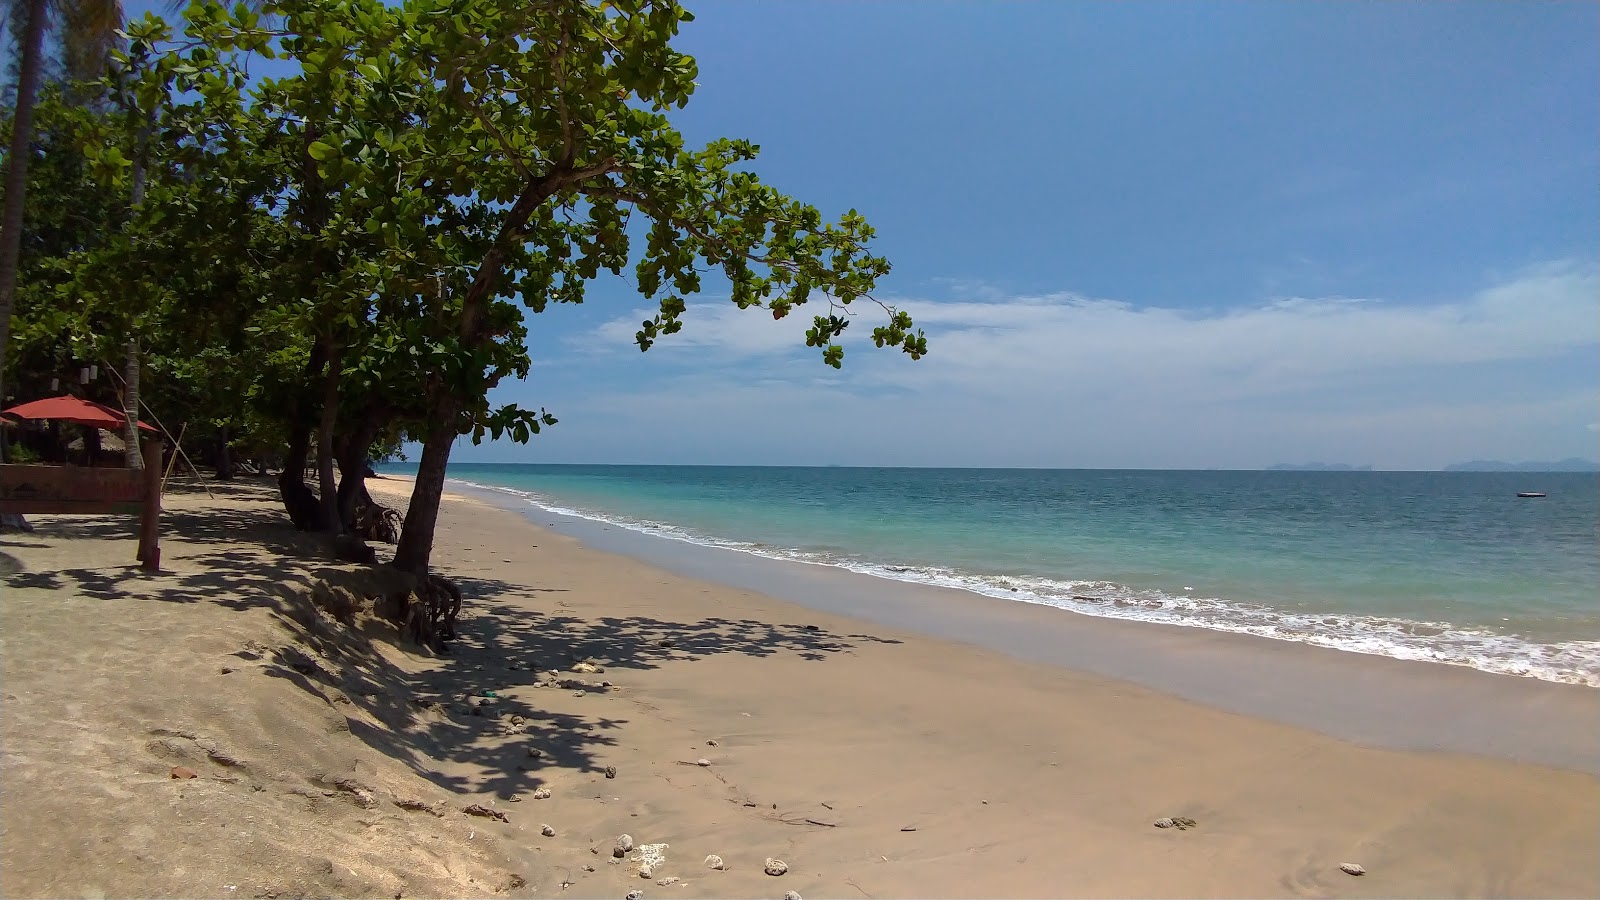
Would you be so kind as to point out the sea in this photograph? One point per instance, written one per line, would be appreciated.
(1451, 567)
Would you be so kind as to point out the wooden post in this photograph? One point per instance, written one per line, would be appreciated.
(150, 512)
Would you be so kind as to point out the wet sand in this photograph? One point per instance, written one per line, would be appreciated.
(1375, 700)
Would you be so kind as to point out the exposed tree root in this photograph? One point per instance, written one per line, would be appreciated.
(427, 614)
(375, 522)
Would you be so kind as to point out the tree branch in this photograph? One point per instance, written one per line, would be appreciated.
(505, 147)
(611, 191)
(490, 268)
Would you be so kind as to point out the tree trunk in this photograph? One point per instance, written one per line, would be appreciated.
(327, 487)
(17, 181)
(294, 462)
(130, 428)
(416, 538)
(353, 471)
(298, 501)
(224, 455)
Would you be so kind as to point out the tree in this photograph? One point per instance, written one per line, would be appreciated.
(431, 177)
(517, 142)
(68, 211)
(88, 35)
(192, 242)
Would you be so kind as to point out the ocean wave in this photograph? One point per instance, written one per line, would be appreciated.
(1568, 662)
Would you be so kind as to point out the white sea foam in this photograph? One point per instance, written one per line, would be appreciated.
(1569, 662)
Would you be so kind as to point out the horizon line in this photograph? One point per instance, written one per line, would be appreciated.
(1280, 467)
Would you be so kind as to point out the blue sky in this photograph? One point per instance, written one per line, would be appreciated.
(1137, 234)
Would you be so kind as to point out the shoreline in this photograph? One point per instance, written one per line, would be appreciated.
(1372, 699)
(247, 723)
(1015, 777)
(1552, 658)
(1571, 660)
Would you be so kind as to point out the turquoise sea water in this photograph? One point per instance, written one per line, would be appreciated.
(1451, 567)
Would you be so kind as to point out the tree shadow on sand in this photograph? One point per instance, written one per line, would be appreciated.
(400, 698)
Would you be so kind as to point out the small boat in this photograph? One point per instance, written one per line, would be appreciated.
(1530, 493)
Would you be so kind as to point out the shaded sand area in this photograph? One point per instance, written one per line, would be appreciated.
(332, 760)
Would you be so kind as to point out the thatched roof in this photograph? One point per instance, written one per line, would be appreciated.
(109, 441)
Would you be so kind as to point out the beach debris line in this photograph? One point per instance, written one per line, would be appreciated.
(413, 805)
(775, 867)
(790, 819)
(1181, 823)
(478, 809)
(364, 798)
(1352, 868)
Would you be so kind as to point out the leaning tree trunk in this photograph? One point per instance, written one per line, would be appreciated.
(130, 428)
(17, 181)
(416, 538)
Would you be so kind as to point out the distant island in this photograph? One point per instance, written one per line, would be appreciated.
(1317, 467)
(1571, 464)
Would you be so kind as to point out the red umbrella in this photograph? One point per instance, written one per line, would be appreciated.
(73, 409)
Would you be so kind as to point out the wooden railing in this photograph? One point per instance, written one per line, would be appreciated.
(74, 490)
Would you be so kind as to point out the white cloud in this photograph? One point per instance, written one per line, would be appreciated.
(1548, 310)
(1069, 380)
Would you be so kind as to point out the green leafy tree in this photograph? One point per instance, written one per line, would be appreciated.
(431, 173)
(88, 33)
(517, 147)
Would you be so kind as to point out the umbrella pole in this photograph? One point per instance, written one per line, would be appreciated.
(178, 446)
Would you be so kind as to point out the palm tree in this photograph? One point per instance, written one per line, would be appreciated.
(89, 32)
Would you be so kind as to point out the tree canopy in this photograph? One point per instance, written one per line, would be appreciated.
(330, 261)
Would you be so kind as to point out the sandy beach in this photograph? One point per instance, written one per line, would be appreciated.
(329, 758)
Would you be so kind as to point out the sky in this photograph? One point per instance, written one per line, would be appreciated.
(1138, 235)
